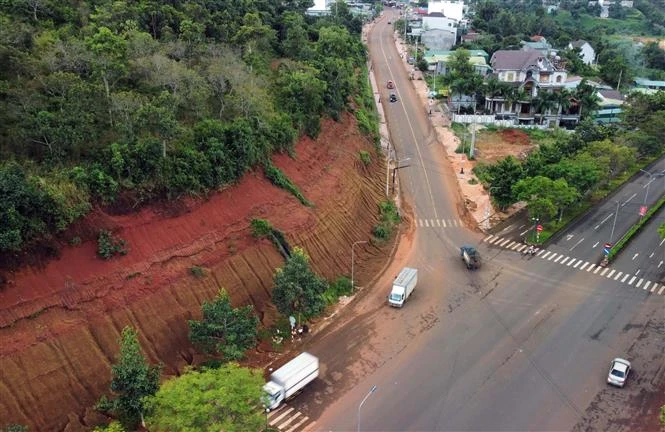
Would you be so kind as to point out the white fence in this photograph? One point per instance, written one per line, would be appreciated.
(491, 119)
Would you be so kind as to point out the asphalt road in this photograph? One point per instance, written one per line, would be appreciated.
(524, 343)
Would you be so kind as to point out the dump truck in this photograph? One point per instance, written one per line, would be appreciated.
(403, 286)
(288, 380)
(470, 256)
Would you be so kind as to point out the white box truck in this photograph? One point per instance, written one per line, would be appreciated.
(290, 379)
(403, 286)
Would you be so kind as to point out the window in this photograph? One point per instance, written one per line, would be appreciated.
(510, 76)
(558, 78)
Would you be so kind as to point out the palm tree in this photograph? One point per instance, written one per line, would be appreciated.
(586, 96)
(563, 103)
(543, 103)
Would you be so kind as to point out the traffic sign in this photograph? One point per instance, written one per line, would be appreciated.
(539, 228)
(643, 210)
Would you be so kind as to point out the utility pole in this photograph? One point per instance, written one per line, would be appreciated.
(619, 83)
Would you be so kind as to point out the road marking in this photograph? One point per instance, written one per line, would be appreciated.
(624, 278)
(560, 256)
(522, 246)
(578, 263)
(618, 275)
(540, 252)
(660, 291)
(585, 264)
(635, 256)
(509, 227)
(277, 419)
(443, 221)
(495, 241)
(546, 254)
(488, 237)
(639, 282)
(303, 420)
(552, 256)
(604, 271)
(453, 223)
(517, 245)
(569, 236)
(524, 232)
(286, 423)
(511, 245)
(631, 197)
(564, 261)
(595, 244)
(630, 282)
(504, 242)
(603, 221)
(654, 287)
(438, 223)
(660, 264)
(651, 256)
(576, 244)
(646, 285)
(571, 261)
(426, 223)
(590, 267)
(596, 270)
(609, 275)
(661, 242)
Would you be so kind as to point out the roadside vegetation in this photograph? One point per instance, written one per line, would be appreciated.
(130, 102)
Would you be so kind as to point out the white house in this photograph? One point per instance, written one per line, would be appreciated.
(586, 50)
(451, 9)
(436, 20)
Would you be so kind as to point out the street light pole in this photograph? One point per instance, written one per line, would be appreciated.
(352, 260)
(372, 390)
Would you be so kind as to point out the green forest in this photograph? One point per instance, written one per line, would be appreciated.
(104, 101)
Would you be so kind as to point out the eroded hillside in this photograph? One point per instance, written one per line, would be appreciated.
(59, 324)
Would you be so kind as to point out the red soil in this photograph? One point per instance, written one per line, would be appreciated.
(60, 323)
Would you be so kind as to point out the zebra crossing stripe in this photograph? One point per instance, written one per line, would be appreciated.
(454, 223)
(571, 261)
(517, 245)
(294, 427)
(438, 223)
(539, 252)
(625, 277)
(618, 275)
(427, 223)
(288, 422)
(630, 282)
(496, 240)
(637, 285)
(660, 291)
(487, 238)
(590, 267)
(504, 242)
(564, 261)
(511, 245)
(609, 275)
(443, 221)
(596, 270)
(646, 285)
(654, 287)
(546, 254)
(552, 256)
(605, 270)
(277, 419)
(578, 263)
(585, 264)
(557, 260)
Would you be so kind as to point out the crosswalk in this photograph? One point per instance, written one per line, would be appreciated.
(288, 419)
(580, 265)
(439, 223)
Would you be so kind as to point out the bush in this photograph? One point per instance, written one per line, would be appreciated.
(108, 245)
(260, 228)
(197, 272)
(277, 177)
(389, 218)
(364, 157)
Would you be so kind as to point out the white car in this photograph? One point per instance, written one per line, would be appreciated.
(619, 370)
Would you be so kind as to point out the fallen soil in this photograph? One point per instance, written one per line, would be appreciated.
(60, 322)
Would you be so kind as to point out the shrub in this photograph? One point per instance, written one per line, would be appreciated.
(364, 157)
(260, 228)
(197, 272)
(389, 218)
(277, 177)
(108, 245)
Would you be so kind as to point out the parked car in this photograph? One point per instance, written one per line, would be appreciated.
(390, 84)
(619, 371)
(393, 97)
(390, 22)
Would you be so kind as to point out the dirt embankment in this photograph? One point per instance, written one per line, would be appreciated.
(59, 324)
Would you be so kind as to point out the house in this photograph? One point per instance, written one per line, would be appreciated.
(451, 9)
(438, 39)
(538, 43)
(436, 20)
(528, 75)
(609, 106)
(586, 51)
(437, 61)
(644, 85)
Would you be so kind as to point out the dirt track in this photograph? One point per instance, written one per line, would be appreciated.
(60, 324)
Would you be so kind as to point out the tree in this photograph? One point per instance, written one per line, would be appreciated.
(653, 55)
(661, 231)
(132, 380)
(563, 102)
(587, 99)
(616, 71)
(544, 103)
(297, 288)
(224, 329)
(545, 196)
(212, 400)
(503, 176)
(112, 427)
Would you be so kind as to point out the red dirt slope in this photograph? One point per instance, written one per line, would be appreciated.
(59, 324)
